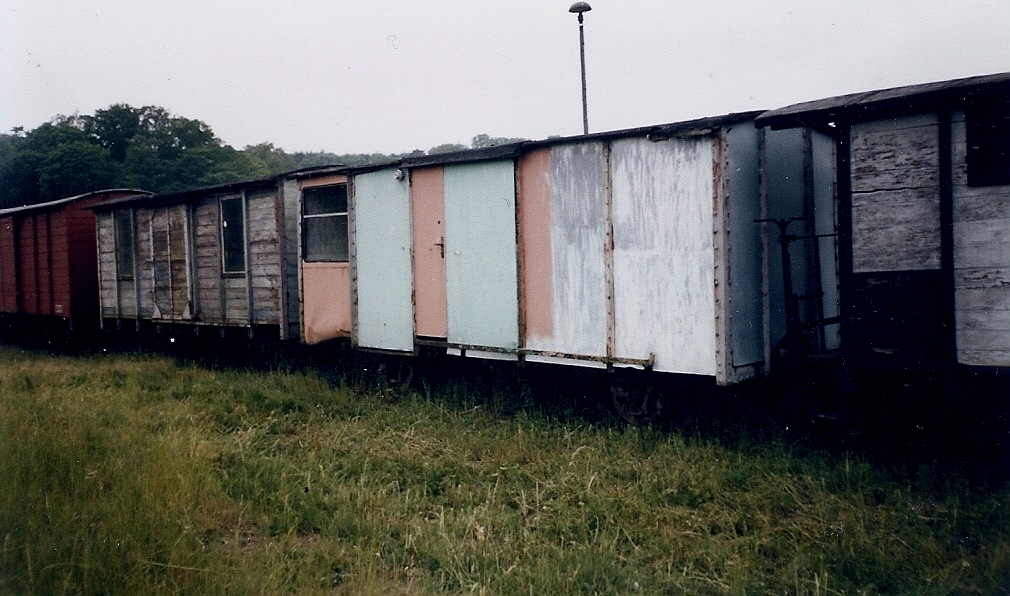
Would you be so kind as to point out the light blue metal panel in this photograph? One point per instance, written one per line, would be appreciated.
(746, 305)
(480, 254)
(385, 313)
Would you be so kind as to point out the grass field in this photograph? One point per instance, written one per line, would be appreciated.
(141, 475)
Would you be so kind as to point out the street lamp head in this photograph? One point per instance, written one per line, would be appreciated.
(580, 7)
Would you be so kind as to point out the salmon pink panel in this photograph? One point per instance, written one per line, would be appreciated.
(326, 300)
(428, 220)
(535, 225)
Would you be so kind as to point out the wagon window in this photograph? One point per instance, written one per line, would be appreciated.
(324, 224)
(988, 127)
(233, 235)
(124, 244)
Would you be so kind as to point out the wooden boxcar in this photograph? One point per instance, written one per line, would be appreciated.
(213, 257)
(48, 274)
(628, 248)
(923, 220)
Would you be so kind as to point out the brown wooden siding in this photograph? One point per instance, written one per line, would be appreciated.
(8, 267)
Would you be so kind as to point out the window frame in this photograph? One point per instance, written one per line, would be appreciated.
(334, 215)
(228, 238)
(987, 140)
(123, 221)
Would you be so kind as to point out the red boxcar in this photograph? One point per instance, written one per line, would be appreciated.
(48, 267)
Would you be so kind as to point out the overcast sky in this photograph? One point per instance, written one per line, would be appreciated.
(397, 75)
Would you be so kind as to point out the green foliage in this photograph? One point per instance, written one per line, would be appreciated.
(121, 146)
(482, 141)
(150, 148)
(139, 475)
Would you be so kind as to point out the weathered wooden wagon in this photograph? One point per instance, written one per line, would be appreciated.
(923, 223)
(633, 248)
(48, 274)
(218, 257)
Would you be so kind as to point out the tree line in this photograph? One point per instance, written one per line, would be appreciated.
(152, 149)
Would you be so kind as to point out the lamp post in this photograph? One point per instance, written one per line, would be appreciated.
(579, 8)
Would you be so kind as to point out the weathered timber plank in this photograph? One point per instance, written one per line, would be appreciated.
(981, 203)
(983, 299)
(983, 339)
(896, 230)
(984, 357)
(894, 154)
(993, 320)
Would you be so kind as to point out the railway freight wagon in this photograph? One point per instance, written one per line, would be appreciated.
(923, 223)
(220, 257)
(634, 248)
(48, 274)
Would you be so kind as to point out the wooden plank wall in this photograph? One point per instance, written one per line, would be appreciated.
(981, 263)
(895, 195)
(207, 254)
(112, 304)
(264, 255)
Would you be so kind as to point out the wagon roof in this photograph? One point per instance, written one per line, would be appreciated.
(67, 200)
(183, 196)
(882, 102)
(697, 127)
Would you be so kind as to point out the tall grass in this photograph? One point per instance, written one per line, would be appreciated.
(139, 475)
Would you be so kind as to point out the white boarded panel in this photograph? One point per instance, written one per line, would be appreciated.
(663, 255)
(577, 255)
(480, 254)
(382, 259)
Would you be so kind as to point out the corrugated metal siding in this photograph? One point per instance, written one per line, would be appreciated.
(385, 314)
(663, 254)
(576, 182)
(480, 244)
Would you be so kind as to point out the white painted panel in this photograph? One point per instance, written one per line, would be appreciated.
(577, 239)
(663, 255)
(382, 243)
(480, 254)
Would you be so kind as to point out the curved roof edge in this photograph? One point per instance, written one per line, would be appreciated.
(58, 202)
(870, 104)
